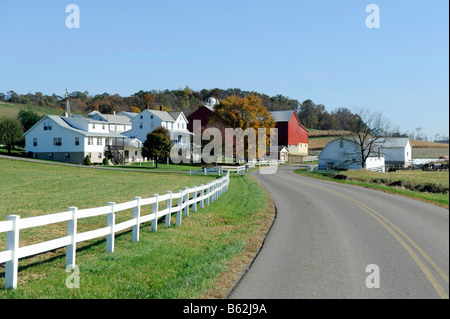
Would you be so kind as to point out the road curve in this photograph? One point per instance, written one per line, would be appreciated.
(327, 234)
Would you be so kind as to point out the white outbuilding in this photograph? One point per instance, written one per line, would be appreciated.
(397, 152)
(344, 153)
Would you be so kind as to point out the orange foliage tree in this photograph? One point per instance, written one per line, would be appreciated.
(245, 113)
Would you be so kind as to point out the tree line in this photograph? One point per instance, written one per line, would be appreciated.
(185, 100)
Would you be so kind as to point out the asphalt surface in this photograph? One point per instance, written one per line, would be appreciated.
(326, 234)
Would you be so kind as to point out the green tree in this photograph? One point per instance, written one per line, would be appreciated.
(10, 133)
(28, 118)
(158, 144)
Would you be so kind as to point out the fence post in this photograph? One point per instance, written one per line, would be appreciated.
(208, 193)
(155, 211)
(12, 243)
(137, 216)
(71, 249)
(204, 170)
(202, 193)
(179, 214)
(194, 205)
(213, 193)
(186, 200)
(169, 206)
(110, 221)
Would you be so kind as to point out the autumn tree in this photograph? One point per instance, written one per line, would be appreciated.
(244, 113)
(158, 144)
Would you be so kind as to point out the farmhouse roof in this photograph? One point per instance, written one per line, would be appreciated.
(163, 115)
(60, 120)
(117, 119)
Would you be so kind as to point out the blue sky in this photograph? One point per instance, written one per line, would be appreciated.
(319, 50)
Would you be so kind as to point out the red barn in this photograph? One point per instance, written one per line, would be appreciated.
(202, 114)
(291, 133)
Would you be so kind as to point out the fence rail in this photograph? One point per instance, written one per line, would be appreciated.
(307, 159)
(189, 197)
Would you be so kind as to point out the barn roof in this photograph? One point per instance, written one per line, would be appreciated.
(394, 142)
(282, 116)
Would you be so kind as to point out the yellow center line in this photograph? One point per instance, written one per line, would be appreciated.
(384, 221)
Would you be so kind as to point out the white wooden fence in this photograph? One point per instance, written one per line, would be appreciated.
(201, 196)
(307, 159)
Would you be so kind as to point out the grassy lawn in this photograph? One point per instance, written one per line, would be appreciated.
(199, 259)
(383, 181)
(10, 110)
(164, 167)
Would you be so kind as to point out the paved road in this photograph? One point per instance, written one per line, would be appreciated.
(326, 234)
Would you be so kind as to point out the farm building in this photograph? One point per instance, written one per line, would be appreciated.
(148, 120)
(71, 139)
(202, 114)
(291, 133)
(396, 151)
(343, 153)
(117, 123)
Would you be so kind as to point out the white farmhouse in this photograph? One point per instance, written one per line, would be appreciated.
(343, 154)
(117, 123)
(69, 139)
(148, 120)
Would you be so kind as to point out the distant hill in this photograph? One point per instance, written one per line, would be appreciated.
(10, 110)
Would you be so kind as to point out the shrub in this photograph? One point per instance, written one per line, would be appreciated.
(87, 161)
(105, 161)
(380, 180)
(340, 176)
(395, 183)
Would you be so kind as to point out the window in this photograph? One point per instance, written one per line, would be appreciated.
(67, 156)
(141, 117)
(50, 155)
(103, 126)
(89, 155)
(77, 141)
(99, 155)
(141, 125)
(47, 126)
(93, 125)
(90, 140)
(99, 141)
(35, 141)
(57, 141)
(151, 117)
(152, 125)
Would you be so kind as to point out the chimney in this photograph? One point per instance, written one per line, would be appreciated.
(114, 113)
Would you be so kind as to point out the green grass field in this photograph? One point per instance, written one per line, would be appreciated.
(10, 110)
(198, 259)
(366, 179)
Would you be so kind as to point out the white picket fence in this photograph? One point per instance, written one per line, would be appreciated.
(201, 195)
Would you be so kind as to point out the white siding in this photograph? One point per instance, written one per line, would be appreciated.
(45, 139)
